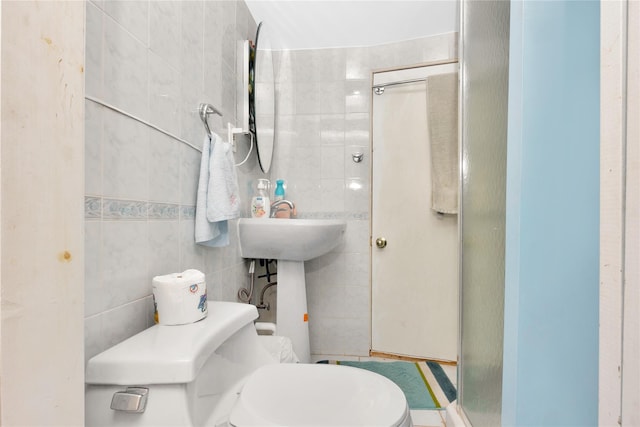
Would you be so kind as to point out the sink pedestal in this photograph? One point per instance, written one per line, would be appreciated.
(291, 317)
(290, 242)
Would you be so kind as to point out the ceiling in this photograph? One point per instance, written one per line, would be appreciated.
(315, 24)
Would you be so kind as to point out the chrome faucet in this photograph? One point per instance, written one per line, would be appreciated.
(275, 209)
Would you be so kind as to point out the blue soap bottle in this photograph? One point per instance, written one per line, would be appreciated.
(279, 192)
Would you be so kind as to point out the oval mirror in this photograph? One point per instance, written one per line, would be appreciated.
(262, 102)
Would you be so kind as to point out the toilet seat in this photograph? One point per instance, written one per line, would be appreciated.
(319, 395)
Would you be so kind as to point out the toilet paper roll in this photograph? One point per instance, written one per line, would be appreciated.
(180, 298)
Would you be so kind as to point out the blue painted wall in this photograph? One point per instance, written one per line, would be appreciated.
(552, 237)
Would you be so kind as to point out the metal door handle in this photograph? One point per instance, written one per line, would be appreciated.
(381, 242)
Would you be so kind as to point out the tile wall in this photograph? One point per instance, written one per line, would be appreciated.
(156, 60)
(323, 118)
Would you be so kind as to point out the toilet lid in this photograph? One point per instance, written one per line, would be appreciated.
(319, 395)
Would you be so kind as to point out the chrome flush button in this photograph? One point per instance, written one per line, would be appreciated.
(133, 399)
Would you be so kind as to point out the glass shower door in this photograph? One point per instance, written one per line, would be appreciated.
(484, 74)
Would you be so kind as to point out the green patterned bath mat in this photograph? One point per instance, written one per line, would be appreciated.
(425, 384)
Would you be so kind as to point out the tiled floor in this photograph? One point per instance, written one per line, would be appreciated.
(420, 418)
(427, 418)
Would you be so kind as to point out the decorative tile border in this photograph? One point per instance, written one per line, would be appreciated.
(113, 209)
(96, 208)
(92, 207)
(124, 209)
(163, 211)
(187, 212)
(334, 215)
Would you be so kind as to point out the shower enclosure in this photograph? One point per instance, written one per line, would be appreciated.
(484, 80)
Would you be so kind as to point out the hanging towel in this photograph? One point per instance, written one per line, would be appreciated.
(442, 116)
(217, 198)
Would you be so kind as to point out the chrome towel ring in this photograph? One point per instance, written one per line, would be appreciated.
(204, 110)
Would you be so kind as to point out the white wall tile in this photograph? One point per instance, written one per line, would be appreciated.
(332, 97)
(125, 261)
(285, 98)
(98, 3)
(93, 148)
(357, 64)
(327, 300)
(93, 49)
(357, 302)
(283, 67)
(132, 15)
(307, 130)
(332, 196)
(213, 28)
(125, 157)
(229, 91)
(123, 321)
(287, 134)
(332, 129)
(192, 72)
(164, 94)
(305, 193)
(358, 96)
(189, 174)
(229, 33)
(214, 286)
(231, 278)
(191, 254)
(124, 70)
(94, 291)
(357, 237)
(439, 47)
(357, 127)
(357, 195)
(305, 162)
(164, 168)
(332, 161)
(306, 65)
(245, 26)
(309, 98)
(165, 20)
(326, 269)
(93, 339)
(164, 244)
(192, 47)
(356, 271)
(354, 336)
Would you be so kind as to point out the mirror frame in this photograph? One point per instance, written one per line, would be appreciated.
(262, 127)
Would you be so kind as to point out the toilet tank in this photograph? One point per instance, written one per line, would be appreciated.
(190, 370)
(170, 354)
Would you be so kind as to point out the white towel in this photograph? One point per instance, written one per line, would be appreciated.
(217, 199)
(442, 116)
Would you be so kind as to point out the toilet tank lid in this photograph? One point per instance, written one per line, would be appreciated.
(166, 354)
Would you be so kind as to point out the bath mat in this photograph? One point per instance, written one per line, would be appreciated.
(425, 384)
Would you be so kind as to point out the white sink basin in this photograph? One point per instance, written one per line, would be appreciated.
(289, 239)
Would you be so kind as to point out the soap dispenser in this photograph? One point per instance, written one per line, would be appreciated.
(279, 193)
(260, 203)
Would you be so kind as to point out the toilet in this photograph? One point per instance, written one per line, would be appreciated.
(216, 372)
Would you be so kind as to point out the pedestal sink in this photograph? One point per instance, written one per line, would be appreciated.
(290, 242)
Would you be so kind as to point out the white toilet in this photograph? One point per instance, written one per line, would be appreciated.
(216, 373)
